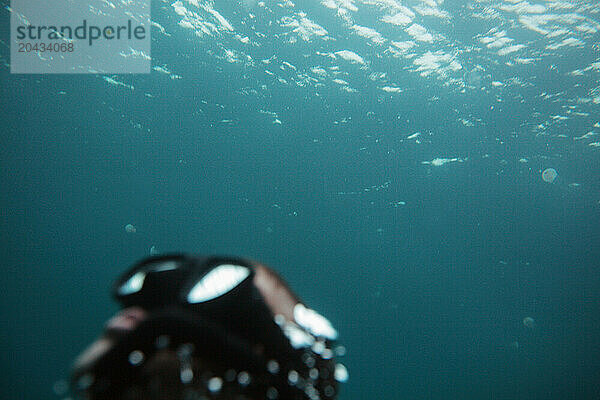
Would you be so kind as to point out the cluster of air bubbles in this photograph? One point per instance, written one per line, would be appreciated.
(307, 381)
(530, 324)
(311, 331)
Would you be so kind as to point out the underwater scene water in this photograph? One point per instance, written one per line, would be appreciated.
(425, 173)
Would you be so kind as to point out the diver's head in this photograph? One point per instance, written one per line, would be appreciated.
(209, 328)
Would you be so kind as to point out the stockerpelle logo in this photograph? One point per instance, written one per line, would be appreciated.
(69, 36)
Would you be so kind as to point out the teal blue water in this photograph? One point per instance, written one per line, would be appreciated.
(400, 193)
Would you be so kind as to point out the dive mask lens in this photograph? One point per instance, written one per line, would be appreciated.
(178, 279)
(220, 280)
(153, 282)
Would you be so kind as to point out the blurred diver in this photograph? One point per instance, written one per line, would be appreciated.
(209, 328)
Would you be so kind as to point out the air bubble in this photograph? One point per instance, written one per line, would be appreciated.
(318, 347)
(279, 319)
(185, 351)
(329, 391)
(273, 366)
(327, 354)
(311, 392)
(215, 384)
(60, 388)
(272, 393)
(85, 381)
(313, 373)
(186, 375)
(308, 360)
(230, 375)
(136, 357)
(162, 342)
(293, 377)
(341, 373)
(243, 378)
(340, 350)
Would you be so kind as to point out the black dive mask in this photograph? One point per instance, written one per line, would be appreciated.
(217, 288)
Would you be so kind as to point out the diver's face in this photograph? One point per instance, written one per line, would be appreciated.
(120, 324)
